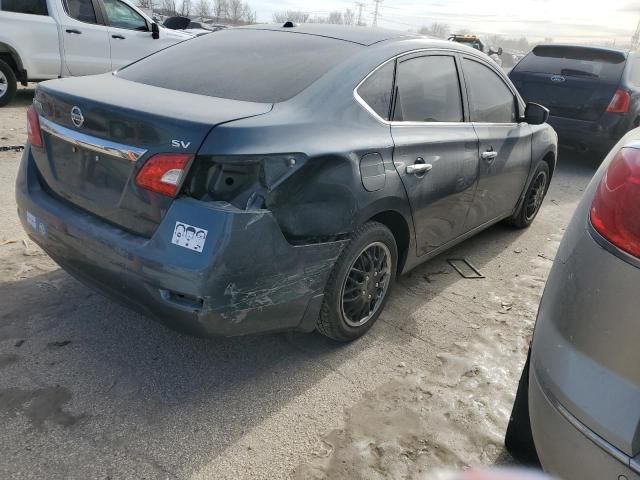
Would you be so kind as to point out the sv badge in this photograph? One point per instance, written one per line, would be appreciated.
(180, 144)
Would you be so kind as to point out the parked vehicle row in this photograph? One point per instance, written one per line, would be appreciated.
(46, 39)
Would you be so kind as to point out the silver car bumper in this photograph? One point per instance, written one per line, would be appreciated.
(567, 448)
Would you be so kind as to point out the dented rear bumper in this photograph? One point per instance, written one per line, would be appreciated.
(246, 278)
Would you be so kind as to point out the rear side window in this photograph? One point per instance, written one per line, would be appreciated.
(81, 10)
(428, 90)
(574, 61)
(376, 90)
(243, 64)
(490, 100)
(31, 7)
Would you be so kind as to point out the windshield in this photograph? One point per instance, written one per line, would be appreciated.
(251, 65)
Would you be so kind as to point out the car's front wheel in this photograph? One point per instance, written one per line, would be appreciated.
(359, 285)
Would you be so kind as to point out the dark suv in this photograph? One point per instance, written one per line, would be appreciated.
(286, 177)
(592, 93)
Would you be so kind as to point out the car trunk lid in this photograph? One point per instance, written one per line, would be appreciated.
(100, 131)
(573, 82)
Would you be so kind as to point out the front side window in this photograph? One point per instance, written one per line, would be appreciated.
(490, 100)
(428, 90)
(121, 15)
(31, 7)
(376, 90)
(81, 10)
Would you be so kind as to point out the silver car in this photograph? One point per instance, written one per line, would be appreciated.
(578, 400)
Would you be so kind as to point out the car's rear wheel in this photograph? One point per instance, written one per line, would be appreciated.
(8, 84)
(359, 285)
(528, 211)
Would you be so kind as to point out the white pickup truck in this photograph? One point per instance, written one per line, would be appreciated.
(44, 39)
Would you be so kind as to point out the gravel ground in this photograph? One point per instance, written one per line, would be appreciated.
(89, 389)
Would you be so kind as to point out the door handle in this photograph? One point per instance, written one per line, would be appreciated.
(74, 31)
(419, 168)
(489, 156)
(120, 37)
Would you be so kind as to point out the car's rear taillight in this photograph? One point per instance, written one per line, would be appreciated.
(620, 103)
(34, 134)
(614, 212)
(164, 172)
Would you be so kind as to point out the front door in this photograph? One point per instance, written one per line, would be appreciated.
(129, 34)
(436, 151)
(505, 144)
(85, 38)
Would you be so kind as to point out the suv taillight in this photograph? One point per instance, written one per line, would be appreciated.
(614, 212)
(34, 134)
(620, 102)
(164, 172)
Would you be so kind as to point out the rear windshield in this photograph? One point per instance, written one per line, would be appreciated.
(250, 65)
(574, 61)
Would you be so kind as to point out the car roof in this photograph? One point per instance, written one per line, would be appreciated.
(360, 35)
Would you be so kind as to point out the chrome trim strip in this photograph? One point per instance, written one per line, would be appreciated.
(95, 144)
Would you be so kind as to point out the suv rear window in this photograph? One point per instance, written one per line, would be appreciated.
(574, 61)
(33, 7)
(250, 65)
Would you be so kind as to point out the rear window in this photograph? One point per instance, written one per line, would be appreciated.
(250, 65)
(574, 61)
(32, 7)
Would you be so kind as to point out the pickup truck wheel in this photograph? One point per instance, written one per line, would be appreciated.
(533, 199)
(8, 84)
(359, 286)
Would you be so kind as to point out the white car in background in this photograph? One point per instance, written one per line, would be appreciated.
(45, 39)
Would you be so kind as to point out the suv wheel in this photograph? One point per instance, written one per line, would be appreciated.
(533, 199)
(8, 84)
(359, 285)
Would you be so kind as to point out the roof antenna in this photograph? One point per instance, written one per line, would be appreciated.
(289, 24)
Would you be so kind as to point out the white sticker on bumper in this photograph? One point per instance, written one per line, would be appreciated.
(188, 236)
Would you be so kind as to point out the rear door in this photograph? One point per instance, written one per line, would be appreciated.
(85, 38)
(573, 82)
(505, 144)
(436, 151)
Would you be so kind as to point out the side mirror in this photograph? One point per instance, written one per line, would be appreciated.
(155, 31)
(500, 51)
(495, 52)
(536, 114)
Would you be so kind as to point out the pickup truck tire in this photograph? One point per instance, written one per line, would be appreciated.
(8, 84)
(359, 285)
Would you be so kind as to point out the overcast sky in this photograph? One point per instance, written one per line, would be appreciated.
(562, 20)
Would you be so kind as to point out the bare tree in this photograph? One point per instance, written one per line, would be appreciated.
(291, 15)
(169, 7)
(203, 8)
(220, 9)
(436, 29)
(349, 17)
(335, 18)
(235, 11)
(185, 11)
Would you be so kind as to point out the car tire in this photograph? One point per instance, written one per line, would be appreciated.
(533, 199)
(519, 438)
(359, 285)
(9, 82)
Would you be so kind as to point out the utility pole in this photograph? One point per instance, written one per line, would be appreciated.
(375, 13)
(360, 6)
